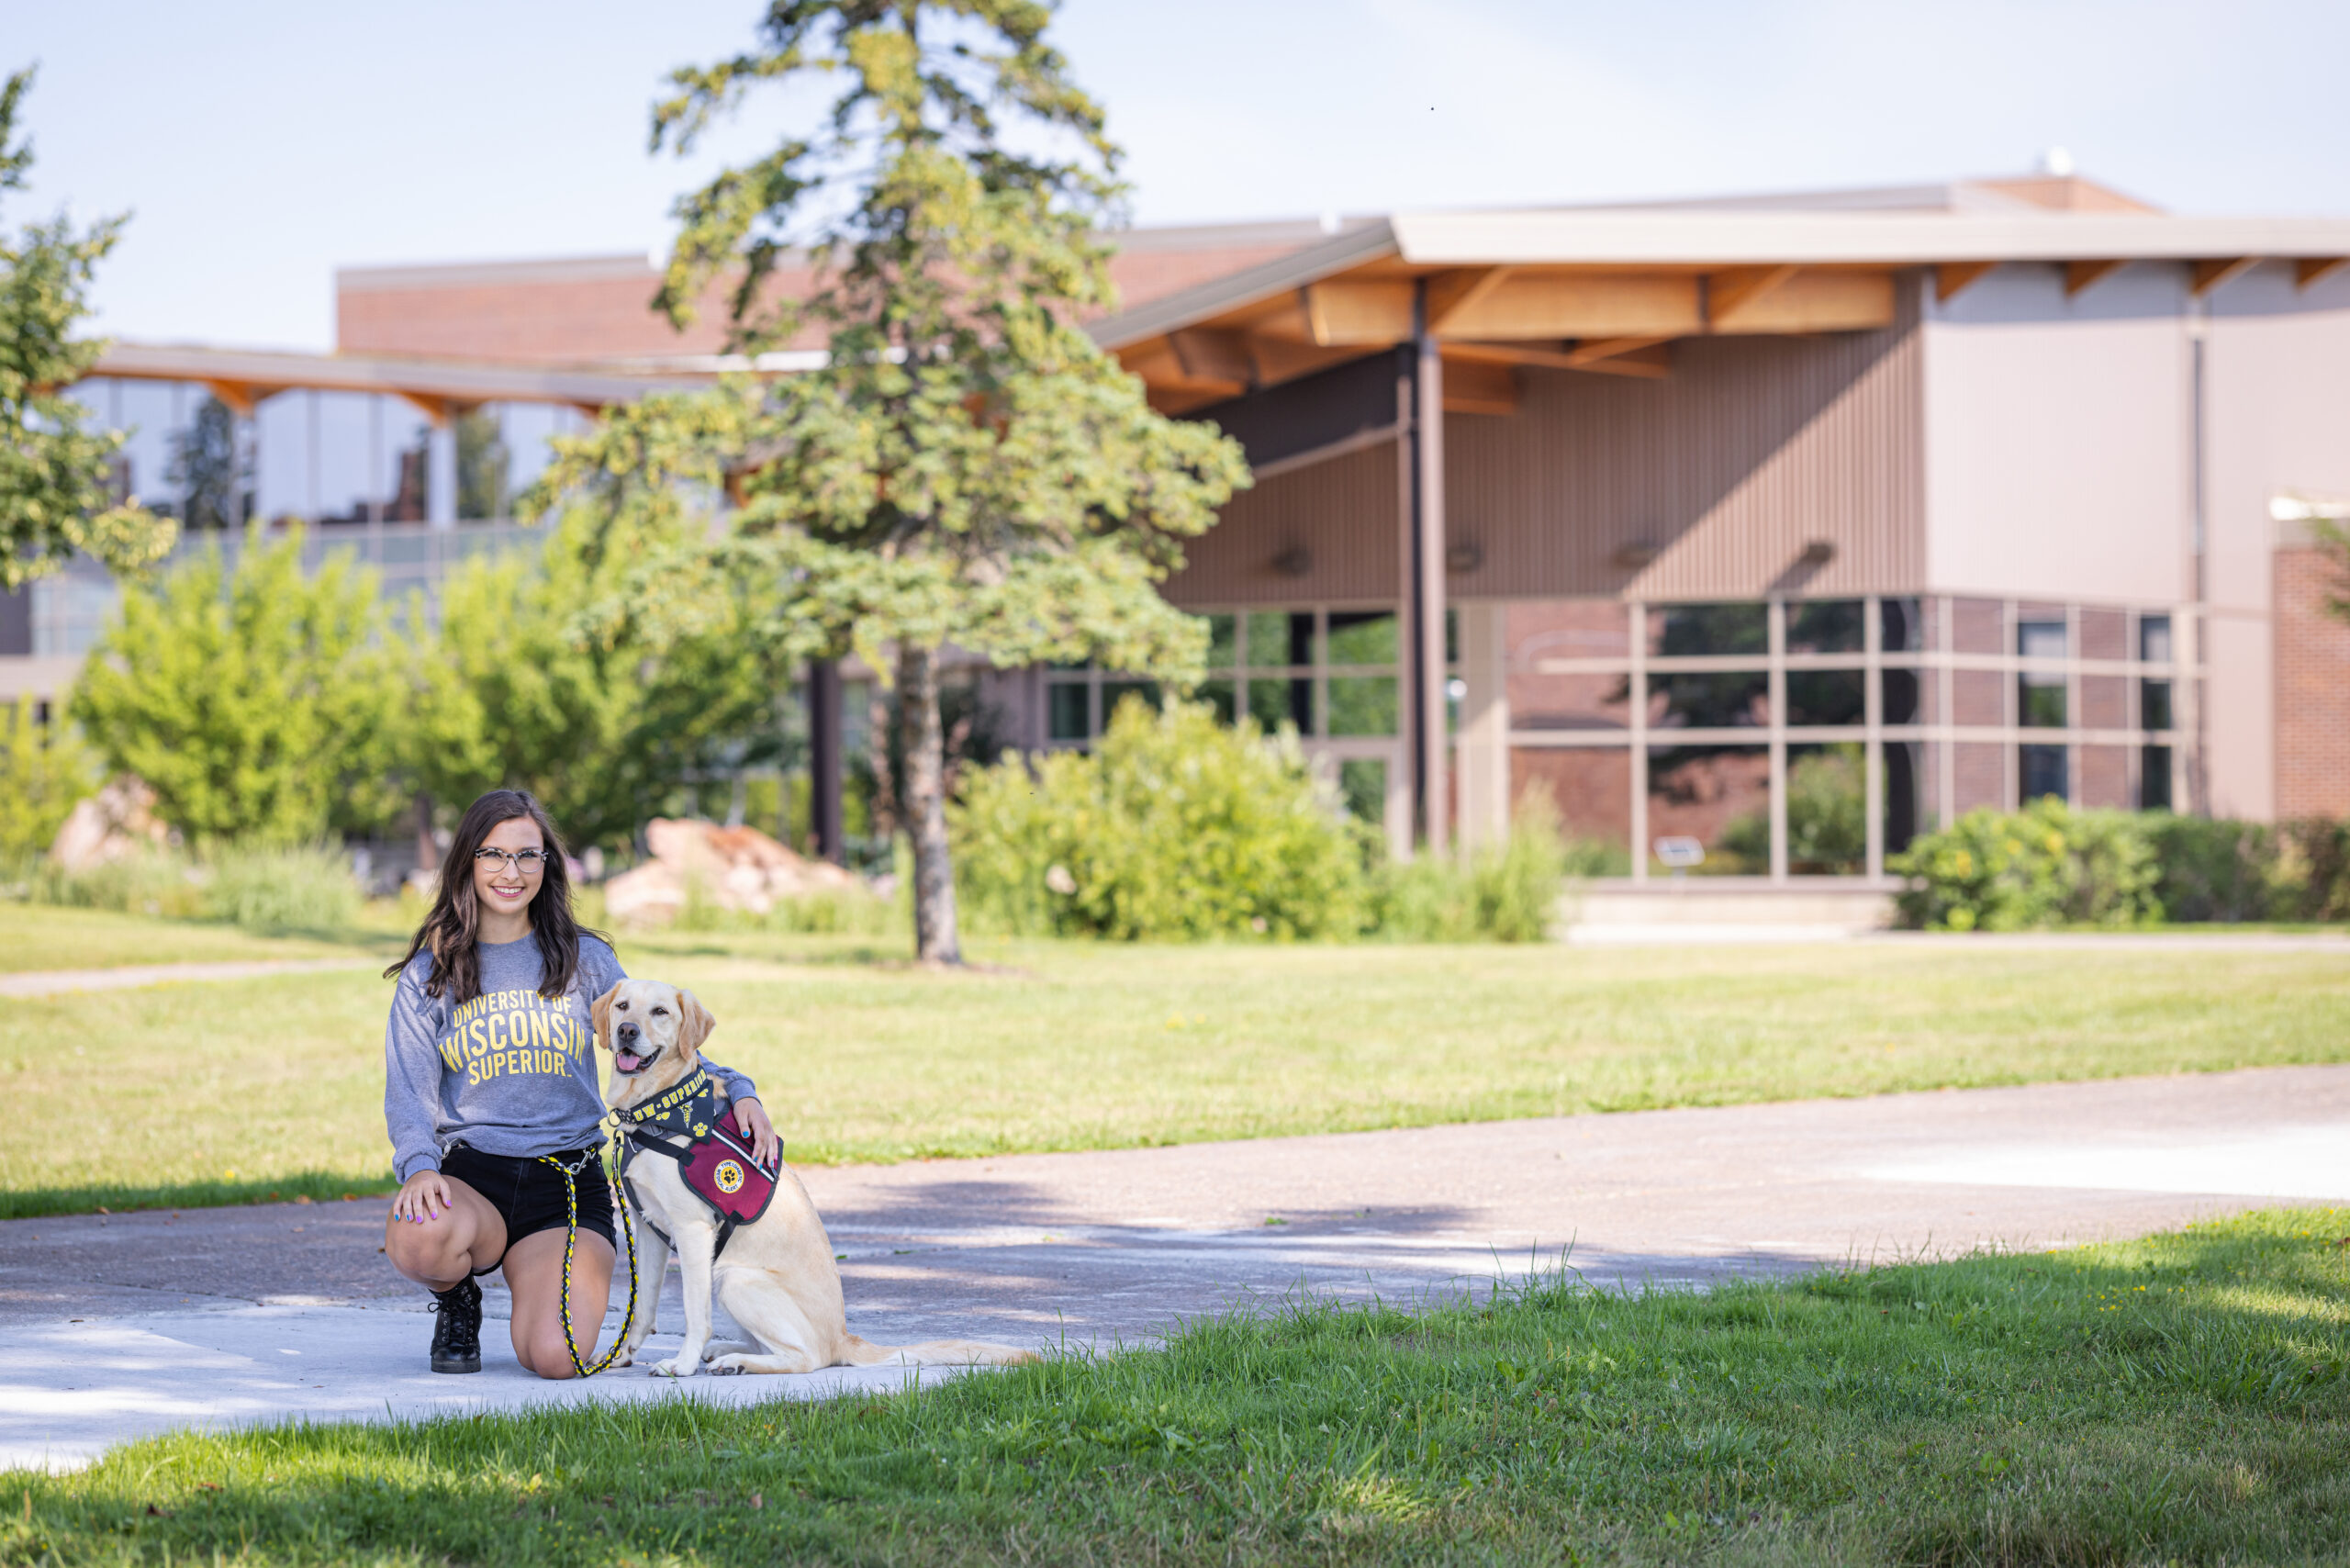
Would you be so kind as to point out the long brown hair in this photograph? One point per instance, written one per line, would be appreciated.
(451, 933)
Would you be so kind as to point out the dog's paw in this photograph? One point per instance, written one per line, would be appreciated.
(676, 1366)
(726, 1366)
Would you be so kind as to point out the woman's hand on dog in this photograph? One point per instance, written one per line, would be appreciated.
(752, 1117)
(425, 1196)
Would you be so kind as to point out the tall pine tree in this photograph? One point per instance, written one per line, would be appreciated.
(967, 467)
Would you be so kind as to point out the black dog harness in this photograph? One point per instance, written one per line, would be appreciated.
(716, 1163)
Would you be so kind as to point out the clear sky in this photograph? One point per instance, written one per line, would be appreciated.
(260, 143)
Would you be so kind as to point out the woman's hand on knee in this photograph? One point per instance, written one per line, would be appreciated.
(422, 1198)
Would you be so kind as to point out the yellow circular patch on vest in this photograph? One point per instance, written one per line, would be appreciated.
(729, 1176)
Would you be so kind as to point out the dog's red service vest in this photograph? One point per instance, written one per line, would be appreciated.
(716, 1163)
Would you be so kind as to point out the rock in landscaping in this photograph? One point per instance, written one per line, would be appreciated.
(737, 869)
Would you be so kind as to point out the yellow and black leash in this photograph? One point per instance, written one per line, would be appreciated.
(570, 1239)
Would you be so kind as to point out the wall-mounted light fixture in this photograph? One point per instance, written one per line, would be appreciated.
(1295, 562)
(1818, 553)
(1463, 556)
(1633, 557)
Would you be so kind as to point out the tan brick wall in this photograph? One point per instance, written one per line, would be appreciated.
(2104, 700)
(1979, 626)
(1978, 696)
(2312, 687)
(2105, 777)
(1982, 776)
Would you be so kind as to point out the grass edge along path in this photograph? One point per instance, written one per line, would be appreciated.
(230, 1091)
(2180, 1397)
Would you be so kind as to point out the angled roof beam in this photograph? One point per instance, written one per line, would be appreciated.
(241, 396)
(2080, 275)
(1215, 353)
(1452, 294)
(2308, 269)
(1950, 278)
(1646, 357)
(437, 410)
(2205, 276)
(1729, 292)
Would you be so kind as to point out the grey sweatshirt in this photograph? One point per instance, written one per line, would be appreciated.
(509, 1072)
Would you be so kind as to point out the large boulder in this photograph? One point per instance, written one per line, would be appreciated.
(737, 869)
(117, 823)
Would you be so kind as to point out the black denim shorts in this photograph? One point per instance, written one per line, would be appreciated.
(527, 1192)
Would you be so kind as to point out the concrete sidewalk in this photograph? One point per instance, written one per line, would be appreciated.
(135, 977)
(142, 1323)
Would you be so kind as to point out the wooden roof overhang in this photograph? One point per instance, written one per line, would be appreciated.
(437, 389)
(1612, 292)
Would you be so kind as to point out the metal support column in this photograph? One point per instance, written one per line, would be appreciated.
(825, 758)
(1424, 587)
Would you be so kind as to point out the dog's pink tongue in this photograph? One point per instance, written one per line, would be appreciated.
(626, 1061)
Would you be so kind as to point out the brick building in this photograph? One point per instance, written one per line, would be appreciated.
(1788, 525)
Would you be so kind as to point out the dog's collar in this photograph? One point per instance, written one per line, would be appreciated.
(689, 1109)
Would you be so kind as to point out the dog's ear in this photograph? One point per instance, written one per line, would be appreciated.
(697, 1024)
(600, 1018)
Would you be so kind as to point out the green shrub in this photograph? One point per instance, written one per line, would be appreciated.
(272, 892)
(1506, 892)
(2313, 870)
(158, 883)
(1173, 826)
(2046, 866)
(269, 891)
(2214, 869)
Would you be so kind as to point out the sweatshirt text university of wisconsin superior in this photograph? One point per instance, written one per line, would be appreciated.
(509, 1072)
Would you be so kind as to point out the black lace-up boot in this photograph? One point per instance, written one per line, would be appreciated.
(457, 1336)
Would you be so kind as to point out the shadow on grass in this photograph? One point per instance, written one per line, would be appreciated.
(2181, 1398)
(318, 1186)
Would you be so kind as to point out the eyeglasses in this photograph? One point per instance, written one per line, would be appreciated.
(529, 862)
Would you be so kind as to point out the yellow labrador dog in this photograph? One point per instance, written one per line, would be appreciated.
(777, 1274)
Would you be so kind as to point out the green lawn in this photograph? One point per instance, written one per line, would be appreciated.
(228, 1091)
(43, 937)
(2185, 1398)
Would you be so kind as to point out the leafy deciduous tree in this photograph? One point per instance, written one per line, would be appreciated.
(259, 705)
(508, 694)
(44, 771)
(968, 467)
(56, 473)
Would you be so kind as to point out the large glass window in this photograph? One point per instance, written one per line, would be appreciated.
(1901, 626)
(1825, 626)
(2040, 771)
(1688, 700)
(1332, 674)
(1709, 630)
(1827, 698)
(1898, 696)
(1717, 797)
(2040, 694)
(1827, 833)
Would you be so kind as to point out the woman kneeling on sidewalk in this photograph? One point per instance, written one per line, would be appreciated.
(489, 1066)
